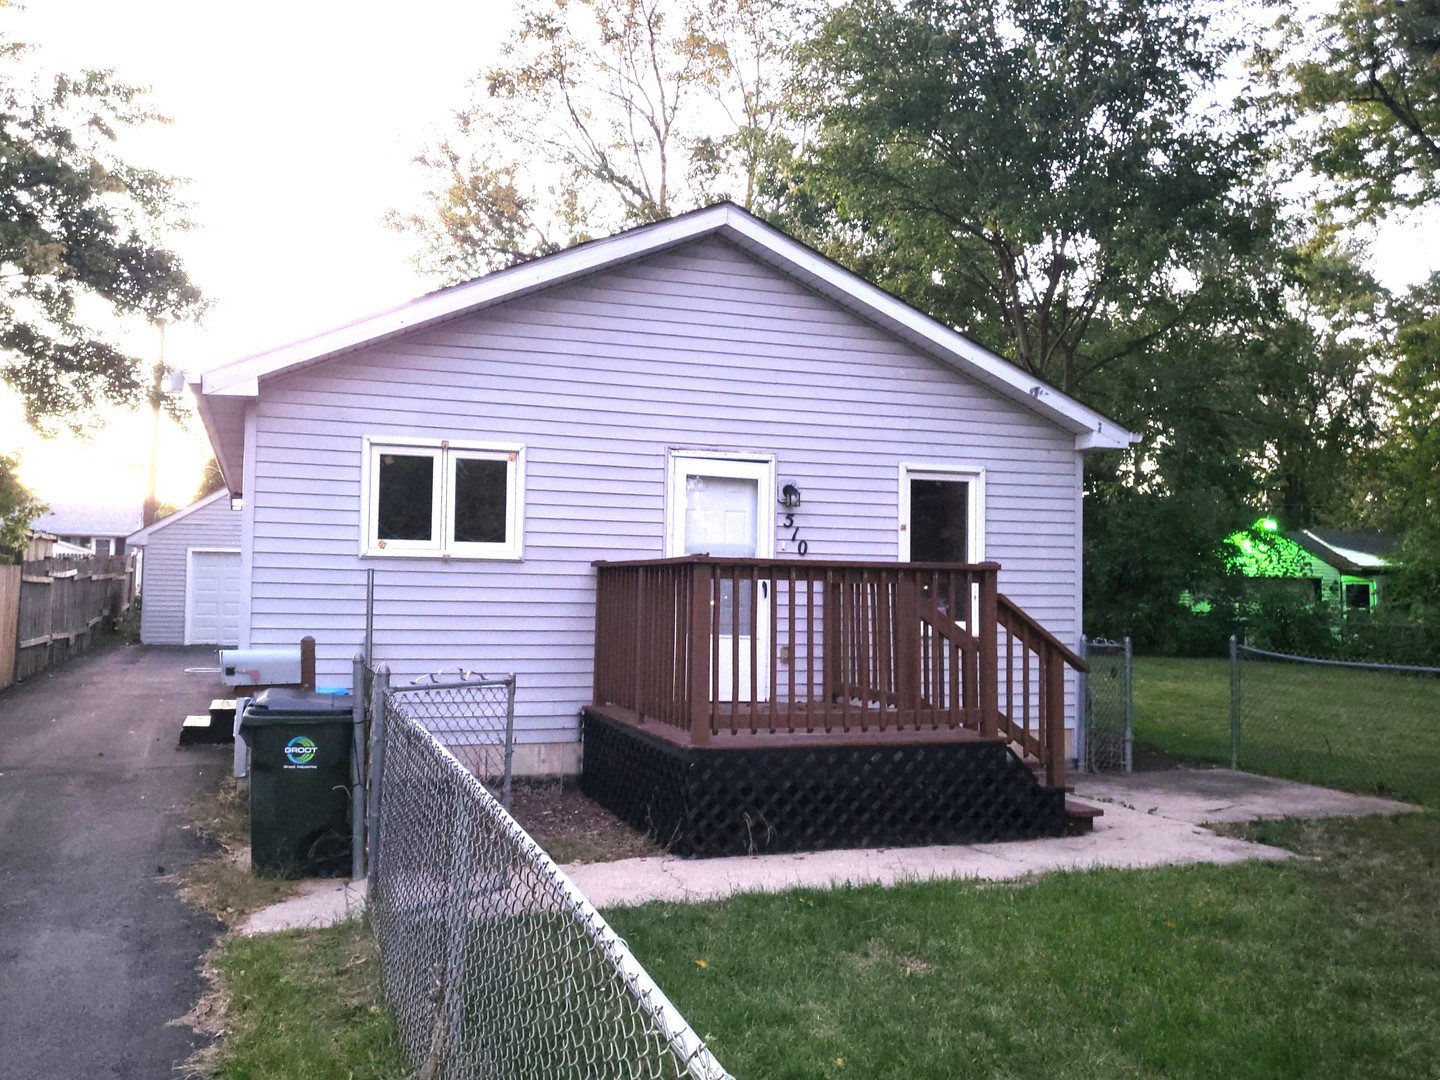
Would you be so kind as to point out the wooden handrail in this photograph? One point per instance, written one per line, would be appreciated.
(1041, 699)
(1010, 610)
(717, 647)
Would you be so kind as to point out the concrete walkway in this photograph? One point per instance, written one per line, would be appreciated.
(1151, 819)
(97, 953)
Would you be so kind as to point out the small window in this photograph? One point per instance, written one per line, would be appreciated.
(1357, 595)
(443, 499)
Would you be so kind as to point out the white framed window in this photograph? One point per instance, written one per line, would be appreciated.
(442, 498)
(942, 513)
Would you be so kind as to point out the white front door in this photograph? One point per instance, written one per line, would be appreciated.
(722, 507)
(212, 597)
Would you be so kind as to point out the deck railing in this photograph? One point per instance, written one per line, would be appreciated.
(710, 647)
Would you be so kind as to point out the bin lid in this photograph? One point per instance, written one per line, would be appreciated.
(285, 706)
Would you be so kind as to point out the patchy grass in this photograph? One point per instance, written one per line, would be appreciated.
(222, 883)
(572, 827)
(306, 1005)
(1338, 727)
(1320, 967)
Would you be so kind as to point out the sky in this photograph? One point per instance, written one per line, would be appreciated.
(295, 122)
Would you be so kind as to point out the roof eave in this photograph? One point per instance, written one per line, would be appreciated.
(1093, 431)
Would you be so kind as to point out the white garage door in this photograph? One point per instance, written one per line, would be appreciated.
(212, 598)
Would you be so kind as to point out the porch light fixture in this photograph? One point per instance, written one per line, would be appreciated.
(790, 496)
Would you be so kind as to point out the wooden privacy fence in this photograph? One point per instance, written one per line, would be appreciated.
(50, 607)
(709, 648)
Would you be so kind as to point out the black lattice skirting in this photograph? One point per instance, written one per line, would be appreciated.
(707, 802)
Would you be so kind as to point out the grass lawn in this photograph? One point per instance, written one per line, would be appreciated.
(1313, 968)
(1358, 730)
(307, 1006)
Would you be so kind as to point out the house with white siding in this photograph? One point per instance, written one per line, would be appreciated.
(191, 576)
(701, 388)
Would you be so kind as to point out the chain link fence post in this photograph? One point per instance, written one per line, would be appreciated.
(357, 769)
(1234, 702)
(1082, 719)
(379, 699)
(1129, 707)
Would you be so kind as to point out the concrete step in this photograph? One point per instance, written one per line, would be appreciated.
(1080, 817)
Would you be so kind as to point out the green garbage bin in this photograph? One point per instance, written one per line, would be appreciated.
(300, 746)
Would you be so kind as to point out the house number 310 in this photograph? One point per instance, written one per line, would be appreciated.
(801, 547)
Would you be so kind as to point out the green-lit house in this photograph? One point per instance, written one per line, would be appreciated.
(1346, 569)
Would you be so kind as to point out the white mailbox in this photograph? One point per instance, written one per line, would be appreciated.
(275, 665)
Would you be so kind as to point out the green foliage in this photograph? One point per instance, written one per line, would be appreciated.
(1321, 966)
(211, 480)
(78, 225)
(1367, 70)
(18, 508)
(305, 1005)
(1043, 176)
(603, 114)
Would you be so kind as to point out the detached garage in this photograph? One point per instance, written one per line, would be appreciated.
(190, 575)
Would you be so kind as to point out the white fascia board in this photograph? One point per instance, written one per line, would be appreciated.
(980, 363)
(229, 466)
(140, 536)
(1359, 558)
(241, 378)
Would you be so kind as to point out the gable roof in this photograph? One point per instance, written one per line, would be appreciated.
(88, 519)
(223, 391)
(1364, 553)
(142, 536)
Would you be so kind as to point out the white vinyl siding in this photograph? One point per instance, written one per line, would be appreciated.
(702, 348)
(163, 570)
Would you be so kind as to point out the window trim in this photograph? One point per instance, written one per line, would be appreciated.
(970, 474)
(443, 545)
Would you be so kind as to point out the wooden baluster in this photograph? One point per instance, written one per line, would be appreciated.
(754, 616)
(1054, 718)
(989, 661)
(698, 679)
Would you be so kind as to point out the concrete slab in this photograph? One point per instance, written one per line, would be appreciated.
(1122, 838)
(1223, 795)
(1150, 819)
(319, 903)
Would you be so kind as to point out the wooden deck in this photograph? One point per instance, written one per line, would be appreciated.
(751, 653)
(743, 738)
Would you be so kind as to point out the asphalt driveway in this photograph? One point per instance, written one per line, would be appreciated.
(97, 954)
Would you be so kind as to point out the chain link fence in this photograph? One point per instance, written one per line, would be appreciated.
(1372, 728)
(1106, 733)
(494, 964)
(473, 716)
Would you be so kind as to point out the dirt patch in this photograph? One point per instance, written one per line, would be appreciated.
(221, 883)
(572, 827)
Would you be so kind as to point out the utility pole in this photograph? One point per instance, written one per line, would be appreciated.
(157, 396)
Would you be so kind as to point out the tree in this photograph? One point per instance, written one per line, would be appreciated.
(18, 509)
(211, 480)
(603, 114)
(1042, 174)
(1404, 493)
(77, 225)
(1369, 71)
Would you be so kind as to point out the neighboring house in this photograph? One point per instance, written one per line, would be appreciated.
(704, 384)
(191, 579)
(100, 530)
(1345, 569)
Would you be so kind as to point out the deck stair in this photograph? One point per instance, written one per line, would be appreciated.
(745, 705)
